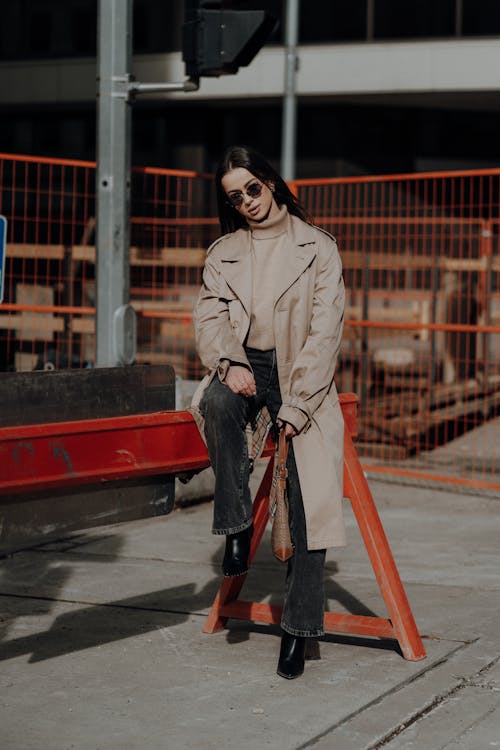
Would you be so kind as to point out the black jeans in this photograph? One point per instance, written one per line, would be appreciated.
(226, 416)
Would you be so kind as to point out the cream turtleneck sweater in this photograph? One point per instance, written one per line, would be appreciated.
(268, 257)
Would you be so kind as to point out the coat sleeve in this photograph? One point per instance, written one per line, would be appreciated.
(216, 339)
(312, 372)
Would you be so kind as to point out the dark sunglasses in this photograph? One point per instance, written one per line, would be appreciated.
(253, 191)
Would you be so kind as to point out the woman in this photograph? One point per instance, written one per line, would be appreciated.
(268, 325)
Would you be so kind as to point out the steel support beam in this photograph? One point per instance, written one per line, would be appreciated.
(38, 457)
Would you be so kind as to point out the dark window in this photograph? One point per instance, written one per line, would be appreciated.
(140, 37)
(84, 31)
(414, 18)
(480, 17)
(40, 32)
(343, 20)
(157, 26)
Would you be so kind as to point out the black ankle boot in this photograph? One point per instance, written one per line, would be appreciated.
(292, 655)
(235, 561)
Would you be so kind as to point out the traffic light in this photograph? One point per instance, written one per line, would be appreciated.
(217, 40)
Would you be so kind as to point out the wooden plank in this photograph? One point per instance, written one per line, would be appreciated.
(165, 306)
(181, 331)
(355, 260)
(32, 325)
(408, 382)
(455, 391)
(84, 253)
(83, 325)
(403, 315)
(194, 257)
(184, 257)
(25, 361)
(176, 257)
(27, 250)
(179, 291)
(36, 325)
(412, 427)
(403, 427)
(464, 264)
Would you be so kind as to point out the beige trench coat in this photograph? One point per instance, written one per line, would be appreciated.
(308, 322)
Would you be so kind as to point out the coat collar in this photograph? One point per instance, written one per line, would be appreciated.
(236, 260)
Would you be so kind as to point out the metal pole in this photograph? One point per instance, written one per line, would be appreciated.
(115, 318)
(289, 121)
(370, 20)
(191, 84)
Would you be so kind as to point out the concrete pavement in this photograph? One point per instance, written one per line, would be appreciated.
(102, 645)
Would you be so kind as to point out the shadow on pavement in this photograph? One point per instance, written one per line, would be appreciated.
(98, 624)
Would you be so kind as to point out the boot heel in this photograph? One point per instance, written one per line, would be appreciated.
(235, 562)
(292, 656)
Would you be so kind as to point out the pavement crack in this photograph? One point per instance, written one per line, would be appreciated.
(463, 683)
(379, 699)
(476, 682)
(468, 728)
(438, 700)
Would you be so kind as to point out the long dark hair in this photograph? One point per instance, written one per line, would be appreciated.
(243, 156)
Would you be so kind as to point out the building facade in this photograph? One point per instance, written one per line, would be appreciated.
(383, 86)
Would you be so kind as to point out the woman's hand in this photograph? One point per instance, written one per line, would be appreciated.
(290, 430)
(240, 380)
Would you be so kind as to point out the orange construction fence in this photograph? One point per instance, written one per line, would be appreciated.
(421, 266)
(47, 319)
(422, 344)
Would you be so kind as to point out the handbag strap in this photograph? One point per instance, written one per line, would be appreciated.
(282, 471)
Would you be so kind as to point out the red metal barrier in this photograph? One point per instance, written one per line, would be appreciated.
(47, 456)
(65, 454)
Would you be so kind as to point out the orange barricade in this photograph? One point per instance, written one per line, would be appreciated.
(99, 450)
(401, 625)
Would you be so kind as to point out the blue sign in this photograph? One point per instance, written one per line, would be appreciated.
(3, 240)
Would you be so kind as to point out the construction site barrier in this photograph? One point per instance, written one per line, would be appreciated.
(49, 456)
(422, 272)
(422, 342)
(47, 320)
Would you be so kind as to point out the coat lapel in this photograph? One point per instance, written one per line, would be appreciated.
(299, 255)
(236, 261)
(236, 267)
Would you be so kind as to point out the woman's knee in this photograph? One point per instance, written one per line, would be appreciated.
(220, 404)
